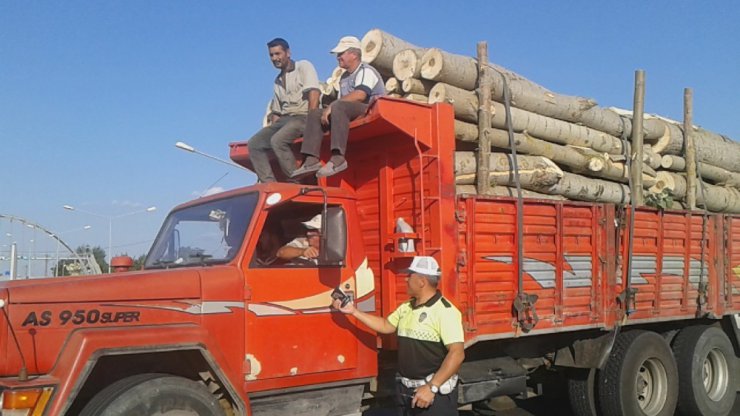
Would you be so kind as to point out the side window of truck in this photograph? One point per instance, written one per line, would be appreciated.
(290, 237)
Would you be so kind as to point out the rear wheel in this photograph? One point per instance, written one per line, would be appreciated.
(582, 391)
(640, 377)
(706, 371)
(154, 395)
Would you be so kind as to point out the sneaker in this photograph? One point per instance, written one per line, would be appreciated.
(330, 169)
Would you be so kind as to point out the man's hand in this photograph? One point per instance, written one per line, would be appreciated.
(311, 252)
(325, 116)
(423, 397)
(348, 309)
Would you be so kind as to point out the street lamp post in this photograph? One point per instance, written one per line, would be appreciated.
(31, 249)
(188, 148)
(57, 237)
(110, 219)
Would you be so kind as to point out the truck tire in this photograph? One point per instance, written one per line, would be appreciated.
(582, 392)
(150, 394)
(706, 371)
(640, 377)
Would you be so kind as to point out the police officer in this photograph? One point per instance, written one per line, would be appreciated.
(430, 342)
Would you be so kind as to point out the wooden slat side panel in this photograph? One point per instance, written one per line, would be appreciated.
(561, 263)
(734, 259)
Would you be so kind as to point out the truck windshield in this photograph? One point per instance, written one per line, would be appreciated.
(210, 233)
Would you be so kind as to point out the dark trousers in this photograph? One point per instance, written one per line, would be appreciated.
(275, 138)
(443, 404)
(342, 112)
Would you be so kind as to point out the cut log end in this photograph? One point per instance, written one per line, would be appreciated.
(431, 64)
(438, 94)
(406, 65)
(372, 43)
(392, 85)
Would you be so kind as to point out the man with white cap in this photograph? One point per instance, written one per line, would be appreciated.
(304, 248)
(430, 342)
(358, 86)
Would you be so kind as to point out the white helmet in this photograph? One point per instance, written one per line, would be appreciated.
(425, 265)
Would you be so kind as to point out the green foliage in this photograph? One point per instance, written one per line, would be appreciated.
(661, 201)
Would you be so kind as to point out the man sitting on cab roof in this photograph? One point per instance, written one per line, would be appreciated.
(359, 85)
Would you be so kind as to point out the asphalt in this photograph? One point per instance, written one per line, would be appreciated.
(537, 406)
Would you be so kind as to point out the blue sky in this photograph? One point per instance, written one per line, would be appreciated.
(93, 95)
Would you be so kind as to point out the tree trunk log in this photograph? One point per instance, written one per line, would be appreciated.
(533, 170)
(460, 71)
(539, 174)
(417, 86)
(580, 188)
(717, 176)
(466, 132)
(379, 48)
(508, 192)
(465, 104)
(407, 64)
(650, 158)
(718, 198)
(417, 98)
(673, 162)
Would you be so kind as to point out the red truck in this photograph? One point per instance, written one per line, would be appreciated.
(216, 324)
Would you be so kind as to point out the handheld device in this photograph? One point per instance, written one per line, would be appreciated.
(341, 296)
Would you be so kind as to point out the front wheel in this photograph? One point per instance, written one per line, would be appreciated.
(154, 394)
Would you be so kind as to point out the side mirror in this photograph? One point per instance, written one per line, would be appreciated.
(334, 238)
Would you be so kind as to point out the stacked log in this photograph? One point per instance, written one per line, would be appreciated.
(569, 146)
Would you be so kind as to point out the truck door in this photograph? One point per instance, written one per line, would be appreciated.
(291, 331)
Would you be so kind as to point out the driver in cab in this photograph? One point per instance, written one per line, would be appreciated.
(306, 248)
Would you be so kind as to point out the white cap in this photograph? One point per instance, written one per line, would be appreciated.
(314, 223)
(424, 265)
(345, 43)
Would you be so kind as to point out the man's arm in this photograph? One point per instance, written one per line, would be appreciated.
(289, 253)
(274, 109)
(313, 99)
(423, 397)
(376, 323)
(356, 95)
(452, 362)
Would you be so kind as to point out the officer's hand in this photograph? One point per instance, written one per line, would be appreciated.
(348, 309)
(423, 397)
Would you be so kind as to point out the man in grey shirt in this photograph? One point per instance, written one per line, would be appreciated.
(359, 86)
(296, 92)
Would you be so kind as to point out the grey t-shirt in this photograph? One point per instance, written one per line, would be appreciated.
(365, 78)
(290, 99)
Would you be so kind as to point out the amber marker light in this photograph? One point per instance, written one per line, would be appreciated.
(29, 402)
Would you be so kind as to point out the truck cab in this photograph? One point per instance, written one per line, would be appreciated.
(255, 322)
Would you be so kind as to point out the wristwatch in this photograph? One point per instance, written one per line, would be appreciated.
(434, 388)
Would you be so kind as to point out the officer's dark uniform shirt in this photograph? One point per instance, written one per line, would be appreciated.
(423, 331)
